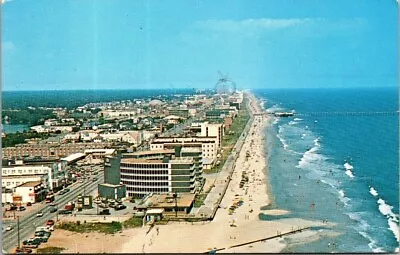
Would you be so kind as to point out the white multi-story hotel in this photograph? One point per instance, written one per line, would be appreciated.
(144, 176)
(208, 145)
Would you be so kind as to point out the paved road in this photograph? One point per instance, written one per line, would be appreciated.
(29, 222)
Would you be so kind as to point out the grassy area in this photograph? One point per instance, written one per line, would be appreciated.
(133, 222)
(50, 250)
(230, 138)
(199, 199)
(107, 228)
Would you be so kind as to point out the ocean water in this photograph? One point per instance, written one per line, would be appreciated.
(337, 160)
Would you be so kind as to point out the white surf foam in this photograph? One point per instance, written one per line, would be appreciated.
(393, 220)
(292, 123)
(310, 155)
(348, 168)
(373, 191)
(283, 141)
(297, 119)
(372, 243)
(343, 197)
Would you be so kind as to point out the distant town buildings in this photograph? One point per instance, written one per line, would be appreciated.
(125, 136)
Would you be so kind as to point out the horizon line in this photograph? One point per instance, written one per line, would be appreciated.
(163, 89)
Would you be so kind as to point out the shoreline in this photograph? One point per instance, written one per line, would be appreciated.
(228, 230)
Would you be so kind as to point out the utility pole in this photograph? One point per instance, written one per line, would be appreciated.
(176, 204)
(18, 231)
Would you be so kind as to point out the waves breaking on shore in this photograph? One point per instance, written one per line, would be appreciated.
(300, 140)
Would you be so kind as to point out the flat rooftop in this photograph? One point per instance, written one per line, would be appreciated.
(140, 160)
(74, 156)
(181, 160)
(168, 201)
(150, 152)
(191, 149)
(30, 184)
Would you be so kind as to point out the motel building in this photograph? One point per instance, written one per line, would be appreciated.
(32, 192)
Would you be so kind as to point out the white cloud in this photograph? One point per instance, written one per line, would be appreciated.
(250, 24)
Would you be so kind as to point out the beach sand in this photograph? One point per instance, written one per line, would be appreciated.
(217, 234)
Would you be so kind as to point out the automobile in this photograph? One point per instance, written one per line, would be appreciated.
(80, 181)
(34, 241)
(29, 204)
(50, 222)
(53, 204)
(65, 212)
(103, 205)
(12, 208)
(39, 214)
(21, 208)
(62, 192)
(66, 190)
(9, 228)
(105, 212)
(112, 205)
(94, 179)
(120, 207)
(53, 209)
(45, 229)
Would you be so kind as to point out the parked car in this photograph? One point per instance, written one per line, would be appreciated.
(62, 192)
(66, 190)
(53, 209)
(29, 204)
(9, 228)
(50, 222)
(105, 212)
(21, 208)
(64, 212)
(39, 214)
(34, 241)
(120, 207)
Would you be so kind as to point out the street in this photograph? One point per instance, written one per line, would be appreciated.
(28, 223)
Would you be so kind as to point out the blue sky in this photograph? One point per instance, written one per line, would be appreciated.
(98, 44)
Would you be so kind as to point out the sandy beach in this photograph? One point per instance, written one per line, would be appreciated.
(226, 230)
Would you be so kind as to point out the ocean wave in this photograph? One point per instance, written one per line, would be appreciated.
(343, 197)
(393, 220)
(283, 141)
(292, 122)
(348, 168)
(363, 226)
(373, 191)
(276, 120)
(372, 243)
(310, 155)
(297, 119)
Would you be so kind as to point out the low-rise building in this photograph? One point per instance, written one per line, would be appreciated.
(32, 192)
(182, 203)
